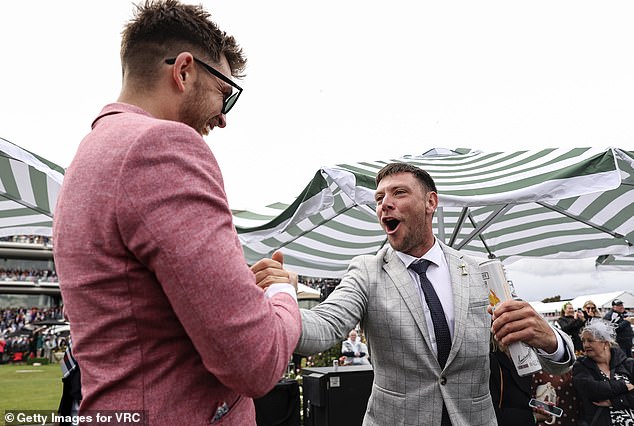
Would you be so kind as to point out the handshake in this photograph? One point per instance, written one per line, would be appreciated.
(271, 271)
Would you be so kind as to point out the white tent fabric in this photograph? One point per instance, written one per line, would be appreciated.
(604, 300)
(552, 203)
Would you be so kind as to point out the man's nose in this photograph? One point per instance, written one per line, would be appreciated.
(386, 203)
(222, 121)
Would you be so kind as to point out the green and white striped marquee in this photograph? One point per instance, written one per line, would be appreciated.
(551, 203)
(615, 263)
(29, 185)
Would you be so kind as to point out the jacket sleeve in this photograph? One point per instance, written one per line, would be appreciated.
(563, 366)
(174, 217)
(329, 322)
(626, 400)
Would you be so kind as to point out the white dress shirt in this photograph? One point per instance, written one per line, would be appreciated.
(438, 275)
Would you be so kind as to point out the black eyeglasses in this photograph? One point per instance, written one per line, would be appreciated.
(228, 101)
(591, 308)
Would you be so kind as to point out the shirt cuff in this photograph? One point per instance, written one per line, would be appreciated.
(558, 355)
(274, 289)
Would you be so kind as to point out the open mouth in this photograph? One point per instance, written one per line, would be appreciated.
(391, 224)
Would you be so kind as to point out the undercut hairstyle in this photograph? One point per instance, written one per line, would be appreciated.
(162, 29)
(393, 168)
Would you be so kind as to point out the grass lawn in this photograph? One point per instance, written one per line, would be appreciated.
(28, 387)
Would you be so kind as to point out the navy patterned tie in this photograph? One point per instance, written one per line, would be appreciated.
(441, 329)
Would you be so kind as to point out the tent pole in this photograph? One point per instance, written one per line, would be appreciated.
(484, 225)
(584, 221)
(486, 246)
(440, 216)
(458, 228)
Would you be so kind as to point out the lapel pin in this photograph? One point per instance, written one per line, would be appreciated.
(463, 267)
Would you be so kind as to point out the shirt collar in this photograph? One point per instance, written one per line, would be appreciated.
(434, 255)
(119, 107)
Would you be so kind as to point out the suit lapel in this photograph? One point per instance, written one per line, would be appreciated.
(460, 290)
(402, 280)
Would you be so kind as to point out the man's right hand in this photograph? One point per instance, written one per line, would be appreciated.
(271, 271)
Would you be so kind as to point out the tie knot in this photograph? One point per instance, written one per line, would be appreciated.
(420, 266)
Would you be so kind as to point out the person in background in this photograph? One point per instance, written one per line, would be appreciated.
(566, 397)
(624, 333)
(152, 274)
(604, 378)
(355, 351)
(571, 323)
(510, 392)
(590, 311)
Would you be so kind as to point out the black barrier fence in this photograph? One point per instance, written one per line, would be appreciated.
(331, 396)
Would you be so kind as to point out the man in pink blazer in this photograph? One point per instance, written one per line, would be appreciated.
(166, 316)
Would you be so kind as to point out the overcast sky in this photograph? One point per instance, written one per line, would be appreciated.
(332, 82)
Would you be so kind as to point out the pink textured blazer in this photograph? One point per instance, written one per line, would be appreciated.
(164, 312)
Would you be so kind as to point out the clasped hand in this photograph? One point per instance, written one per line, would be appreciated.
(271, 271)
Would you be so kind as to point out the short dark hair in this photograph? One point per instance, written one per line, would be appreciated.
(393, 168)
(164, 28)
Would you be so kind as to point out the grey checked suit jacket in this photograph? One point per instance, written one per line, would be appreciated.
(409, 387)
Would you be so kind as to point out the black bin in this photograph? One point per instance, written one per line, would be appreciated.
(336, 397)
(279, 407)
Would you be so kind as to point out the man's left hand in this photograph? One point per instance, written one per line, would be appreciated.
(516, 320)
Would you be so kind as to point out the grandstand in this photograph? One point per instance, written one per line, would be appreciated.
(27, 273)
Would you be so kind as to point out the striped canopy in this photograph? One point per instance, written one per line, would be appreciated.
(551, 203)
(29, 185)
(615, 263)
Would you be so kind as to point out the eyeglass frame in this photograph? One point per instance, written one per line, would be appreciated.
(594, 308)
(226, 106)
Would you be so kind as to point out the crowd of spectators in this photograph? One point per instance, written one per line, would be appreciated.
(22, 338)
(29, 239)
(28, 275)
(324, 285)
(32, 275)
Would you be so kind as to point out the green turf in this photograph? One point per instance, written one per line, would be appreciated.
(28, 387)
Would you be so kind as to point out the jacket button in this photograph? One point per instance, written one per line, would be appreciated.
(443, 380)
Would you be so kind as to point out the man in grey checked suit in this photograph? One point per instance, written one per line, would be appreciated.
(380, 292)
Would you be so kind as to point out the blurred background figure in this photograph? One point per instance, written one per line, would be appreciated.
(603, 378)
(571, 322)
(624, 333)
(590, 311)
(566, 397)
(510, 392)
(355, 351)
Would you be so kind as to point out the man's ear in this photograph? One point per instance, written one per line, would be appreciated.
(431, 201)
(181, 71)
